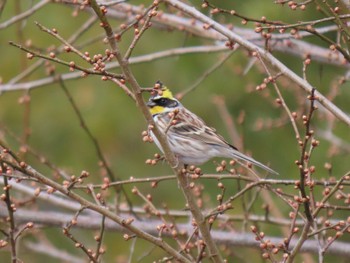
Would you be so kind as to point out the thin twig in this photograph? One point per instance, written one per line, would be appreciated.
(65, 42)
(37, 155)
(26, 72)
(67, 233)
(24, 15)
(232, 36)
(207, 73)
(29, 171)
(113, 65)
(65, 63)
(139, 33)
(95, 143)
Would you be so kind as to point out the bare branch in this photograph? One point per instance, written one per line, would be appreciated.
(56, 219)
(341, 115)
(25, 14)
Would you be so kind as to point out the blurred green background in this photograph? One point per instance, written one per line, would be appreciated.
(117, 123)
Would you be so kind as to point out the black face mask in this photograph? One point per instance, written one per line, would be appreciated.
(163, 102)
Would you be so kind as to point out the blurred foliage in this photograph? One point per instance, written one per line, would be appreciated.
(117, 123)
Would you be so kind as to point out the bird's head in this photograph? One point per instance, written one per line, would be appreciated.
(162, 101)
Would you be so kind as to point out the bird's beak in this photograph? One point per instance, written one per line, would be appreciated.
(151, 103)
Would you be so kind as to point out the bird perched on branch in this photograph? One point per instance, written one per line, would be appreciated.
(190, 139)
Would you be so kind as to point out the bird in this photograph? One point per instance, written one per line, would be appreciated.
(191, 140)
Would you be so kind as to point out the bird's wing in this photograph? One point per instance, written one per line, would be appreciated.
(192, 126)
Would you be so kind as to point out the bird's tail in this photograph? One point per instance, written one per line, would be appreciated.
(241, 156)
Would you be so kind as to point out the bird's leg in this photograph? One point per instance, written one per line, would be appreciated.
(177, 163)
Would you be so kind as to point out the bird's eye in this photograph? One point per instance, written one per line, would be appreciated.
(163, 101)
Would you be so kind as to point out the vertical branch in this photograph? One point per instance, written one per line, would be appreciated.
(303, 157)
(99, 249)
(300, 242)
(2, 6)
(305, 199)
(10, 210)
(272, 79)
(88, 132)
(202, 223)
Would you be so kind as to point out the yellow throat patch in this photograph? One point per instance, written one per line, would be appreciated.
(156, 110)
